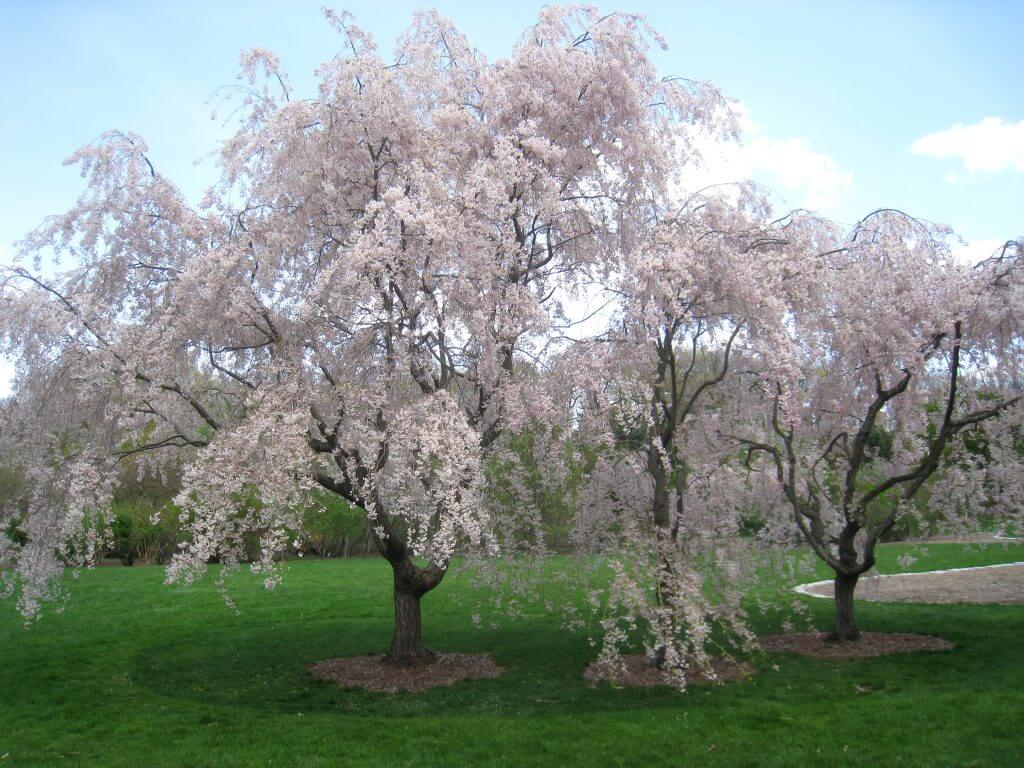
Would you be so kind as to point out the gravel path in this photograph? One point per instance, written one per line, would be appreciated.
(988, 584)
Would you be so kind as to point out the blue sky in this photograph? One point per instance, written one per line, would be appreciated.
(836, 96)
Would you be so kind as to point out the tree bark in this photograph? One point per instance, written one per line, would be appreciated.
(407, 648)
(845, 625)
(664, 543)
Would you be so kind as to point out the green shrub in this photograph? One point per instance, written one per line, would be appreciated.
(331, 527)
(143, 530)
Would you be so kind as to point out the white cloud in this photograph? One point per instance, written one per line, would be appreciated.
(989, 145)
(977, 250)
(791, 167)
(797, 167)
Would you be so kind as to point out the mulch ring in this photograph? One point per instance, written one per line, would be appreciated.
(869, 644)
(637, 671)
(372, 674)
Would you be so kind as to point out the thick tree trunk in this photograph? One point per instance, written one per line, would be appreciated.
(845, 625)
(407, 647)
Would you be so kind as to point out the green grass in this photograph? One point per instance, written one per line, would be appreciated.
(135, 673)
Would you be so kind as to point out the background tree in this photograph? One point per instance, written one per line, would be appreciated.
(699, 307)
(903, 350)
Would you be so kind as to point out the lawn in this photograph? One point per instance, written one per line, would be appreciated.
(135, 673)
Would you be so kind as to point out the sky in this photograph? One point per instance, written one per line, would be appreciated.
(846, 106)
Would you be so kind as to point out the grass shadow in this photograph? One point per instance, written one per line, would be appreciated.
(266, 667)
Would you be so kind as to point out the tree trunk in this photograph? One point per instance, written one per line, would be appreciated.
(407, 647)
(666, 617)
(845, 624)
(666, 621)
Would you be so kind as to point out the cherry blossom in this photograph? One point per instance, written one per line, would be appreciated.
(362, 303)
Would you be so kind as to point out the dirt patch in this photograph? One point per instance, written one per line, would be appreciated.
(637, 671)
(990, 585)
(870, 644)
(372, 674)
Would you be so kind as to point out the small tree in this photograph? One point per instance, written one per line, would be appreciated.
(699, 306)
(897, 341)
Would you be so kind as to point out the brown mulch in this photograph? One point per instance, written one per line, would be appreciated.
(869, 644)
(372, 674)
(991, 586)
(637, 671)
